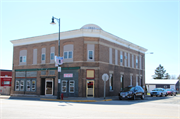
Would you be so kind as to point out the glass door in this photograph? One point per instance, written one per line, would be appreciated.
(90, 88)
(49, 87)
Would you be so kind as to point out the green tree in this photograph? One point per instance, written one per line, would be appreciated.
(159, 72)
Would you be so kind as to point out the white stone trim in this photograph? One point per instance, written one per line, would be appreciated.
(78, 33)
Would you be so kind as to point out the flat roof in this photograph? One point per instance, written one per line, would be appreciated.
(162, 81)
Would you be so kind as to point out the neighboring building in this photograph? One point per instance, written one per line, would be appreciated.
(88, 53)
(5, 81)
(162, 83)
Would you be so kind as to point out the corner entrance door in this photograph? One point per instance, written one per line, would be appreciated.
(49, 87)
(90, 88)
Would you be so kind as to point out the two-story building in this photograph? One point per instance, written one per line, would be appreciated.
(87, 53)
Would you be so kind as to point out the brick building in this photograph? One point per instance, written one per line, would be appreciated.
(88, 53)
(5, 81)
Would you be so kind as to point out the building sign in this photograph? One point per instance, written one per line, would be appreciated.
(68, 75)
(90, 73)
(58, 60)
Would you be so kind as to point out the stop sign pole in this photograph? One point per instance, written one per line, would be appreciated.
(105, 78)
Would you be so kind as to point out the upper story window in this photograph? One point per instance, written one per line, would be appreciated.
(125, 59)
(132, 61)
(34, 56)
(116, 57)
(128, 59)
(90, 52)
(22, 57)
(68, 53)
(43, 55)
(136, 61)
(121, 58)
(110, 55)
(52, 54)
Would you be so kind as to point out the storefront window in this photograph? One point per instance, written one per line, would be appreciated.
(64, 85)
(22, 85)
(6, 82)
(33, 85)
(28, 88)
(17, 85)
(71, 86)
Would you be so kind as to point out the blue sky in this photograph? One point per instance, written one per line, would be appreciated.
(152, 24)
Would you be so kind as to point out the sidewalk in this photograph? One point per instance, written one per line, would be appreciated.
(54, 98)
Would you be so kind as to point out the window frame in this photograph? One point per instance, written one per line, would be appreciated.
(17, 89)
(21, 85)
(28, 85)
(72, 86)
(67, 54)
(42, 57)
(51, 56)
(92, 55)
(34, 85)
(111, 88)
(64, 86)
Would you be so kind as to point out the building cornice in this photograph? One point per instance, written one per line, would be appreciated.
(78, 33)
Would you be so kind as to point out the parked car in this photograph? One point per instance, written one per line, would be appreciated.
(171, 92)
(158, 92)
(131, 92)
(175, 91)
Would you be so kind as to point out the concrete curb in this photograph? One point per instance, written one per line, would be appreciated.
(75, 100)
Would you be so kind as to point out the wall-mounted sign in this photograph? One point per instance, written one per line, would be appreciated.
(90, 73)
(59, 80)
(68, 75)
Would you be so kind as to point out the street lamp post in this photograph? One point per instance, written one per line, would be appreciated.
(58, 93)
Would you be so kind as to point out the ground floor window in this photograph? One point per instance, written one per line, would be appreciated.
(25, 85)
(71, 86)
(64, 86)
(111, 82)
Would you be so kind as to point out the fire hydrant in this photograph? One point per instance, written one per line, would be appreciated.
(62, 96)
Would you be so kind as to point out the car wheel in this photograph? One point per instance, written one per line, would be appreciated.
(171, 94)
(156, 95)
(161, 95)
(166, 94)
(151, 95)
(142, 96)
(120, 98)
(134, 97)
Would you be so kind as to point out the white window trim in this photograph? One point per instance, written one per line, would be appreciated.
(72, 86)
(44, 57)
(92, 55)
(62, 86)
(132, 61)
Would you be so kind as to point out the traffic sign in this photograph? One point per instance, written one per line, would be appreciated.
(105, 77)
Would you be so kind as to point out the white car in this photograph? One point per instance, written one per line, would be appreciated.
(158, 92)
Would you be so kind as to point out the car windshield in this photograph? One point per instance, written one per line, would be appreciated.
(168, 89)
(128, 89)
(157, 89)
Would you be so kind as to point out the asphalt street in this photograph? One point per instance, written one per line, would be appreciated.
(150, 108)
